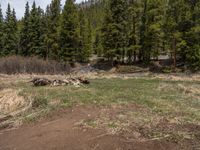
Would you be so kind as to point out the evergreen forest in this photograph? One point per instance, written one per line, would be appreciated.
(125, 31)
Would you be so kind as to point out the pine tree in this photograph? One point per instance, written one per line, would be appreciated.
(134, 25)
(47, 32)
(143, 30)
(114, 31)
(10, 33)
(69, 32)
(33, 30)
(174, 27)
(88, 46)
(36, 31)
(107, 37)
(53, 20)
(15, 32)
(154, 37)
(98, 48)
(192, 37)
(85, 38)
(24, 33)
(1, 31)
(83, 30)
(42, 30)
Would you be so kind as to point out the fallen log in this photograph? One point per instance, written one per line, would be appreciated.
(57, 82)
(41, 82)
(83, 80)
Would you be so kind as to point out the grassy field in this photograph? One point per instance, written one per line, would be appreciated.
(165, 98)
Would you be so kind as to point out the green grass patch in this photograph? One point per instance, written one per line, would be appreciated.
(162, 97)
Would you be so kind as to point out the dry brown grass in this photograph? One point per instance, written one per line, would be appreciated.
(10, 101)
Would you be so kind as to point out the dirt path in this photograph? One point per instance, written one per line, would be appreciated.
(61, 132)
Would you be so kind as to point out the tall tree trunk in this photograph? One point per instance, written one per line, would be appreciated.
(123, 56)
(174, 52)
(134, 53)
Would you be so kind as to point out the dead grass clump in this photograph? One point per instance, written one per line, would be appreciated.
(189, 90)
(164, 87)
(10, 101)
(31, 65)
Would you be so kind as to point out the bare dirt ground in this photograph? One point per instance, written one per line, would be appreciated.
(64, 130)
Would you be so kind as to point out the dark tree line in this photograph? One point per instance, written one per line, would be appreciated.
(122, 30)
(143, 29)
(63, 35)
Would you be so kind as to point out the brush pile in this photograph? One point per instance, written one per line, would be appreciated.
(77, 82)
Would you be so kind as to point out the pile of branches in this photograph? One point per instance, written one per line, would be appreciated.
(57, 82)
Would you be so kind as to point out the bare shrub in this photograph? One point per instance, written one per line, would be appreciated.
(31, 65)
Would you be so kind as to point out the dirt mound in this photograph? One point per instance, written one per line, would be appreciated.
(10, 101)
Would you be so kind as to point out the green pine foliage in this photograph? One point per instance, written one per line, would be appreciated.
(133, 34)
(151, 33)
(36, 32)
(85, 38)
(97, 46)
(154, 30)
(42, 30)
(192, 35)
(24, 33)
(69, 39)
(52, 32)
(107, 39)
(115, 31)
(10, 37)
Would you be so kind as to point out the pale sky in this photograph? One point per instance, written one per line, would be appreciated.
(19, 5)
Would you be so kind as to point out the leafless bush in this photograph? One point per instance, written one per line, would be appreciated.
(31, 65)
